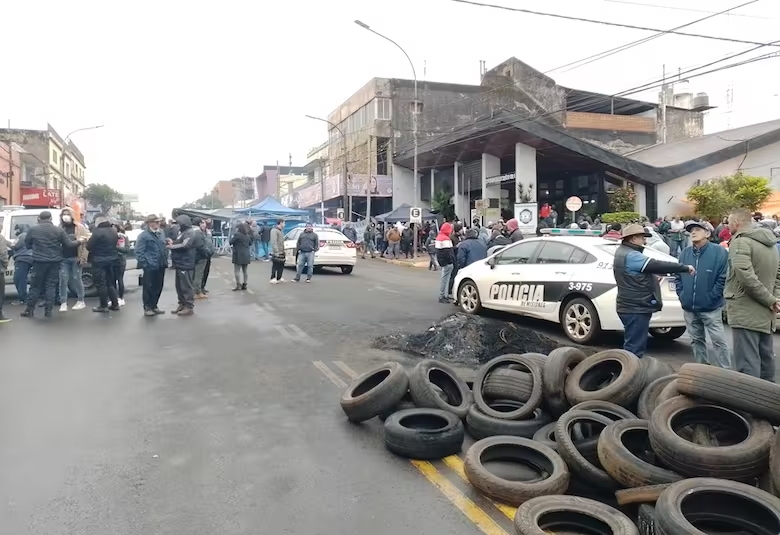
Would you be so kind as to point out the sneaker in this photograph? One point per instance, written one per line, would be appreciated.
(296, 280)
(3, 319)
(282, 280)
(80, 305)
(308, 280)
(243, 286)
(272, 281)
(100, 310)
(158, 312)
(121, 302)
(18, 303)
(149, 313)
(63, 307)
(186, 312)
(178, 309)
(443, 300)
(237, 288)
(27, 313)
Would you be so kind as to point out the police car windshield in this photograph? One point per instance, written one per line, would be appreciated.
(649, 251)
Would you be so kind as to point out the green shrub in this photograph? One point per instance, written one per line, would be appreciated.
(620, 217)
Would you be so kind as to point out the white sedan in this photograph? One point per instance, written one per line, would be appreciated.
(565, 277)
(336, 250)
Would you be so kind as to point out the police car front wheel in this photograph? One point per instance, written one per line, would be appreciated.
(667, 333)
(468, 298)
(580, 320)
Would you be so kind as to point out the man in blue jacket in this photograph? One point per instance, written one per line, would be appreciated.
(701, 295)
(151, 254)
(470, 249)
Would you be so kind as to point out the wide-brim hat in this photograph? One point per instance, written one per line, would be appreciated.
(152, 218)
(634, 230)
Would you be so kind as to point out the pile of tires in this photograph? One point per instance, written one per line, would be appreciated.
(606, 443)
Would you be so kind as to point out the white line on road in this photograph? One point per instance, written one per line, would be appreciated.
(346, 369)
(305, 338)
(383, 289)
(335, 379)
(250, 291)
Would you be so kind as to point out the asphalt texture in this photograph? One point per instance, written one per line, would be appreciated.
(225, 422)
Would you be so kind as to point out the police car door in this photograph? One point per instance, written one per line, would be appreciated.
(500, 286)
(549, 276)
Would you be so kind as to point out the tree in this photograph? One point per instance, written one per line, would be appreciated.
(441, 204)
(718, 197)
(102, 196)
(622, 199)
(208, 201)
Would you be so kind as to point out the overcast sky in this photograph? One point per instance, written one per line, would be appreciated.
(194, 92)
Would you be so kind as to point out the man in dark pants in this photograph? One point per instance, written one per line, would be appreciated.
(150, 252)
(3, 267)
(183, 257)
(46, 242)
(104, 257)
(212, 249)
(639, 294)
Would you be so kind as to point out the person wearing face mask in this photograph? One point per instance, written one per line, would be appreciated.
(150, 252)
(73, 259)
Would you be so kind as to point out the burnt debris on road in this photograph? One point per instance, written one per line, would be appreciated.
(470, 340)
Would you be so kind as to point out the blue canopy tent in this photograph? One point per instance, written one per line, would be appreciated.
(269, 210)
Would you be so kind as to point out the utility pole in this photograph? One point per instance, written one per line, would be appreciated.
(344, 166)
(322, 191)
(663, 107)
(368, 181)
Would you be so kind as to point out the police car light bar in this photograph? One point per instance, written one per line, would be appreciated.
(570, 232)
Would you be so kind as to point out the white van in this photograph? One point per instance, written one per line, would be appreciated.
(10, 217)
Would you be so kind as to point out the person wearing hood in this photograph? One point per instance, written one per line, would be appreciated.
(350, 232)
(47, 243)
(23, 261)
(369, 240)
(445, 255)
(73, 259)
(104, 257)
(513, 230)
(150, 254)
(471, 249)
(183, 257)
(752, 295)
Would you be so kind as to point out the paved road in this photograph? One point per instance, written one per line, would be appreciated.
(226, 422)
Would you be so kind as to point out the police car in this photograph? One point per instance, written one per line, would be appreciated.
(564, 276)
(336, 250)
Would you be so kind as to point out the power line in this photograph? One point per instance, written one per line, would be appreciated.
(659, 6)
(605, 23)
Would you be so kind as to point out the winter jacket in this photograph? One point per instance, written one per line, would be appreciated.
(20, 251)
(47, 242)
(183, 253)
(351, 233)
(753, 280)
(445, 253)
(393, 236)
(471, 250)
(484, 236)
(150, 250)
(172, 232)
(202, 250)
(430, 242)
(407, 236)
(702, 292)
(308, 242)
(76, 231)
(102, 245)
(638, 289)
(277, 243)
(265, 233)
(369, 235)
(3, 255)
(241, 243)
(209, 242)
(514, 232)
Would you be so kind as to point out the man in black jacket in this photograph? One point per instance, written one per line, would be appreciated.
(104, 257)
(307, 246)
(46, 242)
(265, 242)
(183, 258)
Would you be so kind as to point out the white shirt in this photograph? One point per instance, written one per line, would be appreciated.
(677, 225)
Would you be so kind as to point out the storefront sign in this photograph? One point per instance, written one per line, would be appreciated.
(40, 197)
(500, 179)
(526, 216)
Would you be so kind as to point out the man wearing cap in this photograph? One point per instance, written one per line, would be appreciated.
(701, 295)
(639, 294)
(151, 254)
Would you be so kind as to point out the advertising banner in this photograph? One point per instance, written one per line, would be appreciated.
(359, 185)
(40, 197)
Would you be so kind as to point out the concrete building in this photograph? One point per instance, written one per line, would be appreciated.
(10, 173)
(48, 162)
(236, 192)
(268, 183)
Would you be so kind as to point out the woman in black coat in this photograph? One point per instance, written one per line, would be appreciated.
(241, 241)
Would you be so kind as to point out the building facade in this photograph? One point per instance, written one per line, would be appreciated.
(236, 192)
(10, 173)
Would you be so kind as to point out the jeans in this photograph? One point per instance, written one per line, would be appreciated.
(444, 281)
(675, 247)
(637, 327)
(70, 274)
(265, 249)
(185, 288)
(152, 287)
(119, 273)
(105, 283)
(277, 268)
(434, 262)
(45, 283)
(21, 270)
(370, 247)
(701, 324)
(394, 248)
(197, 278)
(754, 353)
(308, 260)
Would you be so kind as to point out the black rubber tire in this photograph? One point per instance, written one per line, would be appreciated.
(605, 408)
(421, 441)
(622, 390)
(481, 426)
(742, 461)
(672, 334)
(623, 465)
(375, 392)
(534, 401)
(731, 389)
(546, 435)
(556, 368)
(547, 462)
(654, 369)
(774, 464)
(732, 507)
(649, 396)
(405, 403)
(506, 383)
(636, 495)
(538, 358)
(570, 514)
(576, 462)
(427, 376)
(346, 270)
(645, 520)
(478, 306)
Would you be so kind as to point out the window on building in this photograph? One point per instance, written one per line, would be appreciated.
(54, 157)
(383, 108)
(67, 169)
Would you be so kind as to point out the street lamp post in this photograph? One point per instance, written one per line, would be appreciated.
(344, 170)
(66, 141)
(415, 112)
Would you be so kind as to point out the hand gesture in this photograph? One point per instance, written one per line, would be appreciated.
(691, 270)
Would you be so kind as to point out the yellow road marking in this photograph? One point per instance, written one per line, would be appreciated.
(346, 369)
(335, 379)
(455, 463)
(472, 511)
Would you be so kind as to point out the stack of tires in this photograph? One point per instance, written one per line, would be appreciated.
(602, 444)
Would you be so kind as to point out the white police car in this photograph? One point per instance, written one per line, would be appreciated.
(566, 277)
(336, 250)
